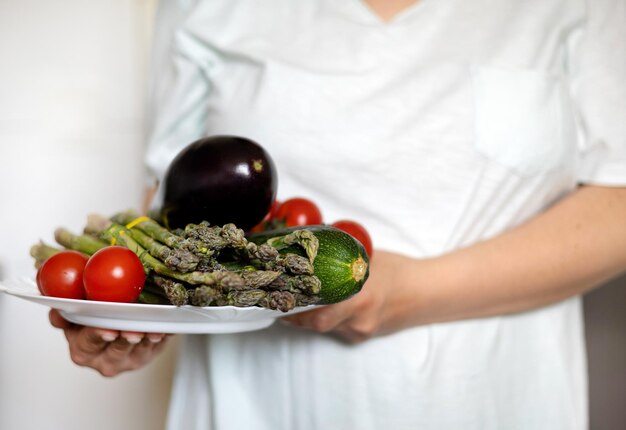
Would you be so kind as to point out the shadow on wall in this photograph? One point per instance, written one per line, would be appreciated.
(605, 326)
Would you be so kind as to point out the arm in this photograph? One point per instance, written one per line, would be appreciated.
(574, 246)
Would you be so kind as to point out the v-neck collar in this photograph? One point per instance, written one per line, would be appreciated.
(363, 13)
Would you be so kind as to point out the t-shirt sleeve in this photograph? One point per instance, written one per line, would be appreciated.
(597, 64)
(179, 88)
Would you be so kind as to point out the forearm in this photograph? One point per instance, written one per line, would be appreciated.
(149, 194)
(574, 246)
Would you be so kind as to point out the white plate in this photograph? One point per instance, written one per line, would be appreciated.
(151, 318)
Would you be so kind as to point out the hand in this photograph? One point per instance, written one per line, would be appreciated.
(381, 307)
(110, 352)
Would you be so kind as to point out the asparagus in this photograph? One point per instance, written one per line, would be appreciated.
(216, 238)
(241, 298)
(264, 252)
(180, 260)
(175, 292)
(306, 284)
(149, 227)
(209, 264)
(296, 264)
(199, 239)
(85, 243)
(279, 300)
(228, 280)
(205, 240)
(203, 265)
(95, 224)
(304, 238)
(259, 278)
(41, 252)
(203, 296)
(149, 298)
(306, 300)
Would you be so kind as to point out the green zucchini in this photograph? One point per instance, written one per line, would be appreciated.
(341, 263)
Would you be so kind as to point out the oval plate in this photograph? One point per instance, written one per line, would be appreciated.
(151, 318)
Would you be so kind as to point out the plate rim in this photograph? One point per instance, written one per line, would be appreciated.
(220, 319)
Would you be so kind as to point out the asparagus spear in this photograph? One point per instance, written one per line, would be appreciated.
(226, 280)
(216, 238)
(306, 300)
(269, 280)
(85, 243)
(278, 300)
(151, 228)
(175, 292)
(241, 298)
(190, 240)
(180, 260)
(206, 240)
(306, 284)
(95, 224)
(203, 296)
(296, 264)
(264, 252)
(304, 238)
(41, 252)
(259, 278)
(150, 298)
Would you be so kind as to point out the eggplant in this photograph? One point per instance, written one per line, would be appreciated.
(219, 179)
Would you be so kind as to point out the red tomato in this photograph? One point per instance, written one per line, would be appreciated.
(298, 211)
(38, 281)
(62, 275)
(114, 274)
(265, 222)
(357, 231)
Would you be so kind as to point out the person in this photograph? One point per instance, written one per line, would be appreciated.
(483, 146)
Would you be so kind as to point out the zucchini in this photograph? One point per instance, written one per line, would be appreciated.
(341, 263)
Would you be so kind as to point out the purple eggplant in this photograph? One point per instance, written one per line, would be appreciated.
(219, 179)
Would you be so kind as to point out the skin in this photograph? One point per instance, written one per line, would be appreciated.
(110, 352)
(569, 249)
(574, 246)
(387, 10)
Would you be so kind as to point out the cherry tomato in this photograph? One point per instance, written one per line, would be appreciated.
(298, 211)
(265, 222)
(114, 274)
(38, 280)
(62, 275)
(357, 231)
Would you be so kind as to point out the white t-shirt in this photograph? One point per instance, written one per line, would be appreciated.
(449, 125)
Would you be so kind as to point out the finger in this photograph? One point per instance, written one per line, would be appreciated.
(107, 335)
(155, 337)
(299, 318)
(143, 352)
(117, 352)
(349, 334)
(139, 354)
(89, 340)
(132, 337)
(58, 321)
(322, 320)
(86, 344)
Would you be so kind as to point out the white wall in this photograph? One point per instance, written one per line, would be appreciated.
(72, 81)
